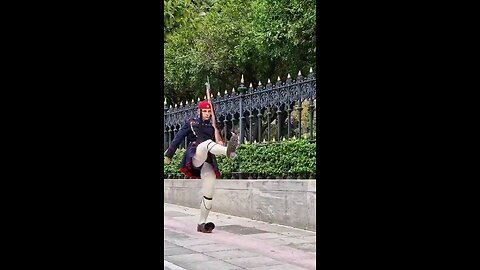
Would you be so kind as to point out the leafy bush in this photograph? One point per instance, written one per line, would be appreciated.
(284, 159)
(171, 170)
(227, 166)
(287, 159)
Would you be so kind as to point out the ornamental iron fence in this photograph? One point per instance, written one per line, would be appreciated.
(273, 112)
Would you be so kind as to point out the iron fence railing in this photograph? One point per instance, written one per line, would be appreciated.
(271, 112)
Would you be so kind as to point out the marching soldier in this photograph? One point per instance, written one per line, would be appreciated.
(204, 143)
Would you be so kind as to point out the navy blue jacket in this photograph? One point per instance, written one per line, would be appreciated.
(196, 131)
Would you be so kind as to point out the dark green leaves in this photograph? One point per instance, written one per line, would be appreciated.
(258, 38)
(288, 159)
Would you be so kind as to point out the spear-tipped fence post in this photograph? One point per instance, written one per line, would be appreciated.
(242, 90)
(165, 131)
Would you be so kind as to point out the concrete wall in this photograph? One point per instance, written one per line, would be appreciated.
(286, 202)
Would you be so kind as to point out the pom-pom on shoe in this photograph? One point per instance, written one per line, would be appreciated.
(232, 146)
(205, 227)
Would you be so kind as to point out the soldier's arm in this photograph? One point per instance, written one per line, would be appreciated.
(179, 138)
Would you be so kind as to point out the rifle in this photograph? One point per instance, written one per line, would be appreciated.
(218, 135)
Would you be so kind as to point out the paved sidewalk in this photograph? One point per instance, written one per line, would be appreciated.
(235, 243)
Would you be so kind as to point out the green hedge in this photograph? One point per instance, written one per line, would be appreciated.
(295, 158)
(172, 170)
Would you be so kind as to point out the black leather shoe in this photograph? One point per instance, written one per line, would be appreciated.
(205, 227)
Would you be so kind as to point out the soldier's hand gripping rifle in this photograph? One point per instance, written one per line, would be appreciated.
(218, 135)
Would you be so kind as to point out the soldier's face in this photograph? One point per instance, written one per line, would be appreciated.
(206, 113)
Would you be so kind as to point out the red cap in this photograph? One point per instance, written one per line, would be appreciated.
(204, 105)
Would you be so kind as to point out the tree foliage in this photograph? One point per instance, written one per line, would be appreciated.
(262, 39)
(181, 13)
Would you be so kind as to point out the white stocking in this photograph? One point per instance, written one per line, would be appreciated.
(208, 177)
(201, 153)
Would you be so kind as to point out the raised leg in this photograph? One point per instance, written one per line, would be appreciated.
(207, 146)
(201, 153)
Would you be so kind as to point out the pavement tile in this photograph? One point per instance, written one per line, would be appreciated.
(273, 242)
(216, 264)
(194, 242)
(312, 239)
(175, 214)
(295, 240)
(187, 217)
(253, 261)
(177, 251)
(238, 229)
(298, 233)
(268, 235)
(172, 234)
(196, 257)
(310, 247)
(310, 262)
(278, 267)
(232, 254)
(211, 247)
(191, 250)
(276, 228)
(167, 244)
